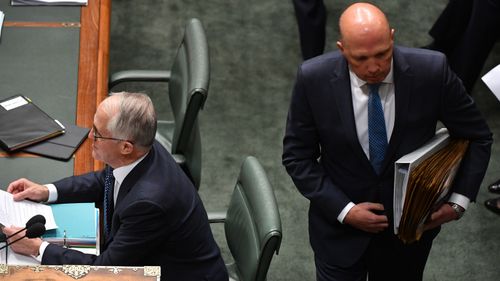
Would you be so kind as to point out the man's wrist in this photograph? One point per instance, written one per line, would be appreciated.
(41, 250)
(459, 210)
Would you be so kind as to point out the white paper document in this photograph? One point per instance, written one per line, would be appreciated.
(492, 80)
(2, 16)
(18, 213)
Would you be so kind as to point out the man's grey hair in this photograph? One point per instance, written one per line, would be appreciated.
(134, 118)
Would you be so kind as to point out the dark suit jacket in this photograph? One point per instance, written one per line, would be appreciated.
(323, 156)
(159, 219)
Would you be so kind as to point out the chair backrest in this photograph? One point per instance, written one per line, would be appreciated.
(253, 223)
(188, 90)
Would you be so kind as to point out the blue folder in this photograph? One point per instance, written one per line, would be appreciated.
(77, 222)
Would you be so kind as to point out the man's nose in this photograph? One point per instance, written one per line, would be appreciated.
(373, 68)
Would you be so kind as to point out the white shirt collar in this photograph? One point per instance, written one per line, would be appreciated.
(121, 172)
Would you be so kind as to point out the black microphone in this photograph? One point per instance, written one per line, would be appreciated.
(35, 219)
(35, 230)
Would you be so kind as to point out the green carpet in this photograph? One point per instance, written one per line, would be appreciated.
(254, 52)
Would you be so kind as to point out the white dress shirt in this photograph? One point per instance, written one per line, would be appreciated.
(360, 95)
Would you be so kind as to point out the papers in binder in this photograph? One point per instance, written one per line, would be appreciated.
(422, 179)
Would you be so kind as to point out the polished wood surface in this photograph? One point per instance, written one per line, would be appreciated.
(92, 74)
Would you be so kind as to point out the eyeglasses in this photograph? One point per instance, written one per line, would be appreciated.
(97, 135)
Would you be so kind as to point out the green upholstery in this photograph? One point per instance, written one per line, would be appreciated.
(188, 82)
(252, 224)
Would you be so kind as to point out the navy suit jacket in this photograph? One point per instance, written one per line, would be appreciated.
(324, 158)
(158, 219)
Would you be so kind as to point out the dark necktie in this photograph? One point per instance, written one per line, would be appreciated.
(376, 129)
(109, 184)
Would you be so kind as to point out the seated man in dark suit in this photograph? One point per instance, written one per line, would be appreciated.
(153, 214)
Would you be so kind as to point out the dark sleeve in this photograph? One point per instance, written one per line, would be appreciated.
(301, 153)
(140, 230)
(462, 118)
(78, 189)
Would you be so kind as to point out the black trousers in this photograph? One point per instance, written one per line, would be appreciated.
(386, 259)
(311, 19)
(466, 31)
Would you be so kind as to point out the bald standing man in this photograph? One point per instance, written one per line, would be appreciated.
(343, 161)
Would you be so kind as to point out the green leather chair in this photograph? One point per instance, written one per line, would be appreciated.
(188, 82)
(252, 224)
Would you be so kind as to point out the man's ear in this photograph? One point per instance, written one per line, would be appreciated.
(127, 147)
(340, 46)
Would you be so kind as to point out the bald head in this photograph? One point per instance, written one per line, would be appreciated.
(363, 21)
(366, 41)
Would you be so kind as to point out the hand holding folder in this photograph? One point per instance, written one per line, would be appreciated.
(423, 179)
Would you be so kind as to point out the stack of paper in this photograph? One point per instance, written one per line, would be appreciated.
(17, 213)
(422, 180)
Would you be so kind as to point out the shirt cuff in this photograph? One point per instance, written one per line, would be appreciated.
(43, 246)
(460, 200)
(52, 193)
(344, 212)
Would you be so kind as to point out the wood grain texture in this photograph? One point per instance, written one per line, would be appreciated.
(93, 65)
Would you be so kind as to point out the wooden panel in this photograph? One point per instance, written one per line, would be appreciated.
(92, 74)
(79, 272)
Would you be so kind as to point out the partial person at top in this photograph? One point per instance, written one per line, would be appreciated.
(311, 20)
(152, 212)
(466, 32)
(353, 113)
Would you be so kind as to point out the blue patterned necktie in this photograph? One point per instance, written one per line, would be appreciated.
(376, 129)
(109, 184)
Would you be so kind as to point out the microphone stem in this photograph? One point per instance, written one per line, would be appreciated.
(8, 244)
(14, 234)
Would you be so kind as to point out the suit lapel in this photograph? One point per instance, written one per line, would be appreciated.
(403, 81)
(341, 88)
(131, 179)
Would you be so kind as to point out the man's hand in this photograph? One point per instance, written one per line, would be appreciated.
(24, 246)
(25, 189)
(362, 216)
(444, 214)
